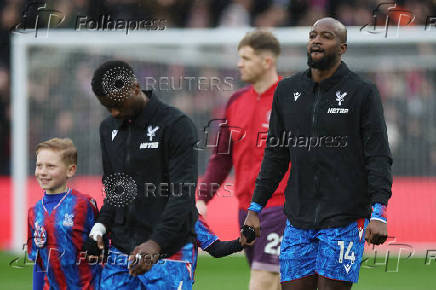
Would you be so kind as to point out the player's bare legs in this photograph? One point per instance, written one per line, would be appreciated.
(263, 280)
(305, 283)
(329, 284)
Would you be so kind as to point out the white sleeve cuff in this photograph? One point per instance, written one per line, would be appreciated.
(97, 230)
(380, 220)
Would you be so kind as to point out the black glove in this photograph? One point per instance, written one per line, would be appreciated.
(90, 246)
(249, 233)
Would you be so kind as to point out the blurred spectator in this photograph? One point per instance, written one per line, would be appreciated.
(237, 13)
(60, 98)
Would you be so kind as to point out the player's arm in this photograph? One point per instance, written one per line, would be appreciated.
(219, 249)
(32, 250)
(183, 174)
(107, 211)
(103, 219)
(219, 166)
(181, 139)
(275, 163)
(210, 242)
(378, 161)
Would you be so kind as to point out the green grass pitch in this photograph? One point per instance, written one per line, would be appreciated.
(232, 273)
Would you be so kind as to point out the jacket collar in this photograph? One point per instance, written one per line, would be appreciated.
(145, 115)
(149, 110)
(338, 75)
(268, 92)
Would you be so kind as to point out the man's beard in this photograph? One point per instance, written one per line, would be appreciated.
(325, 63)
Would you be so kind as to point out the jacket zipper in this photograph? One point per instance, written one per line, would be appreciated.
(315, 134)
(317, 214)
(315, 113)
(129, 137)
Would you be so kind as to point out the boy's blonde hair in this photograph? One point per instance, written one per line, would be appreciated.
(63, 145)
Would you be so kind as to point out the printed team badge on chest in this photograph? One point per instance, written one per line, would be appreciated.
(40, 236)
(68, 220)
(151, 132)
(340, 98)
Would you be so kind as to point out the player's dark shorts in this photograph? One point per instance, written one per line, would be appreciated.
(166, 274)
(264, 254)
(335, 253)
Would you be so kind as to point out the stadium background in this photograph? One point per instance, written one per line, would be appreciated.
(60, 101)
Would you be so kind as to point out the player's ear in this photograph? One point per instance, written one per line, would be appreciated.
(267, 60)
(136, 89)
(343, 48)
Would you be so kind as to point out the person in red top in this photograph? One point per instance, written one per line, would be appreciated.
(241, 144)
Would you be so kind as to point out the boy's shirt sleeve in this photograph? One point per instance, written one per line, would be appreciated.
(205, 236)
(32, 249)
(92, 214)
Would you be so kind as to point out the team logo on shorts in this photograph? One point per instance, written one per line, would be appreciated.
(40, 236)
(361, 228)
(68, 220)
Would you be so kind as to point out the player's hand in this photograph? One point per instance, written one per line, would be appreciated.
(202, 207)
(376, 232)
(96, 233)
(243, 241)
(253, 221)
(95, 249)
(143, 257)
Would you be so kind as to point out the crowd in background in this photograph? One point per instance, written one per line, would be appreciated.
(408, 96)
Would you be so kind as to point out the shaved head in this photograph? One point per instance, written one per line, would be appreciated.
(335, 25)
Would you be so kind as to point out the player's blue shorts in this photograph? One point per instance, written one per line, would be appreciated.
(335, 253)
(166, 274)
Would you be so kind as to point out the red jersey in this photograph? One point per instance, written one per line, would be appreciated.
(247, 115)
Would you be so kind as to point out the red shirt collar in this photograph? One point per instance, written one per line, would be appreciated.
(268, 92)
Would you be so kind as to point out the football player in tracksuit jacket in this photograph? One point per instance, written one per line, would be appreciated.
(329, 123)
(153, 144)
